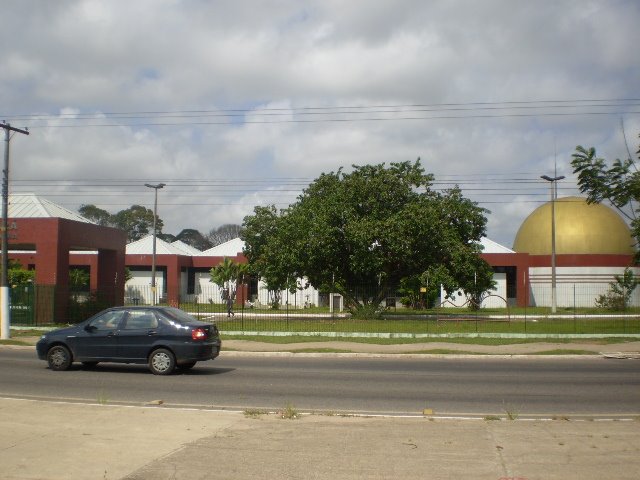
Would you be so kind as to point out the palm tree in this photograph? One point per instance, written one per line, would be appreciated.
(228, 275)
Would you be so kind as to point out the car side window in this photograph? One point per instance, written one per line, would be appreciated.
(107, 321)
(141, 320)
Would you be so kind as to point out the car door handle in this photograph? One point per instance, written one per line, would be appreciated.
(152, 332)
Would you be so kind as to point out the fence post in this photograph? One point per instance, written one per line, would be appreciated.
(575, 318)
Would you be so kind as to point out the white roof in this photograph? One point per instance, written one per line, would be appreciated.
(234, 247)
(144, 246)
(489, 246)
(28, 205)
(187, 249)
(227, 249)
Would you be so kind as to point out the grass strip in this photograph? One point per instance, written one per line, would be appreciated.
(401, 341)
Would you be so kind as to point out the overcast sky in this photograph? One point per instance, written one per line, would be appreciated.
(236, 103)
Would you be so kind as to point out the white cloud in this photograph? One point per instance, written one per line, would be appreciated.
(169, 56)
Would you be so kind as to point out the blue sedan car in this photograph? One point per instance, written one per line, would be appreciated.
(165, 338)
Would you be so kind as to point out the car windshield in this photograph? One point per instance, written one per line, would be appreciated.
(180, 315)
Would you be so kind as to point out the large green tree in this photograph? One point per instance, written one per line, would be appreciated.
(361, 233)
(618, 183)
(137, 221)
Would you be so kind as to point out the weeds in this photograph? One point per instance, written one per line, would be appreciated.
(102, 397)
(512, 414)
(289, 412)
(492, 418)
(255, 412)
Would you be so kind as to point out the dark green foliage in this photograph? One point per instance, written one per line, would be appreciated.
(620, 291)
(374, 226)
(619, 183)
(194, 238)
(18, 276)
(136, 220)
(78, 279)
(229, 275)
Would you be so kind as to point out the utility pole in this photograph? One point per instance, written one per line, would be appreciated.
(554, 195)
(5, 311)
(153, 255)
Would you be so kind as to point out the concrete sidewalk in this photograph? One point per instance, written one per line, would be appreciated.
(44, 440)
(589, 345)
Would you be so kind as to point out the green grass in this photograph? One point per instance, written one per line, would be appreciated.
(446, 351)
(421, 325)
(320, 350)
(13, 342)
(400, 341)
(561, 351)
(17, 333)
(393, 311)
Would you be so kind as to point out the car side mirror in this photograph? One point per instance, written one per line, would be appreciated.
(90, 328)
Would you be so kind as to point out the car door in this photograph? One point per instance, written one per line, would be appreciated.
(138, 334)
(98, 340)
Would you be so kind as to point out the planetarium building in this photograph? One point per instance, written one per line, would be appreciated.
(592, 245)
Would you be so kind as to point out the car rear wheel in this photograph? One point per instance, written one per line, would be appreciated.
(162, 362)
(59, 358)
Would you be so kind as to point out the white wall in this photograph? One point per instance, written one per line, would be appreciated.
(139, 287)
(496, 299)
(575, 286)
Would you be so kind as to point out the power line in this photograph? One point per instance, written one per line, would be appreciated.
(336, 120)
(268, 115)
(434, 106)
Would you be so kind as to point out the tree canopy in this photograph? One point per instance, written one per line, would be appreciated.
(227, 275)
(361, 233)
(223, 233)
(194, 238)
(618, 183)
(136, 220)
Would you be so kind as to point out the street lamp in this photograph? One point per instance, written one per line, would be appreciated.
(153, 256)
(554, 193)
(5, 307)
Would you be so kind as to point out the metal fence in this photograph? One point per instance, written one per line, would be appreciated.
(324, 313)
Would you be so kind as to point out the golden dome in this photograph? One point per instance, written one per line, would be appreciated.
(581, 228)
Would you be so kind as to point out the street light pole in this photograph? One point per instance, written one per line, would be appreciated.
(153, 255)
(554, 194)
(5, 308)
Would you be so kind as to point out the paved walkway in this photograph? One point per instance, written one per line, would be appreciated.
(43, 440)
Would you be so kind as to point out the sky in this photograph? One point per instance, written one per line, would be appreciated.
(234, 104)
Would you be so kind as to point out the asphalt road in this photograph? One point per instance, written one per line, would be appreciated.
(397, 385)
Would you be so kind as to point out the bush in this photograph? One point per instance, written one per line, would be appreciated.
(619, 294)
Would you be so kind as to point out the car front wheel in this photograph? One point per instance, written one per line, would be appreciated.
(162, 362)
(59, 358)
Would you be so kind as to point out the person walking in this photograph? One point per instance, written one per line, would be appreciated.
(230, 312)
